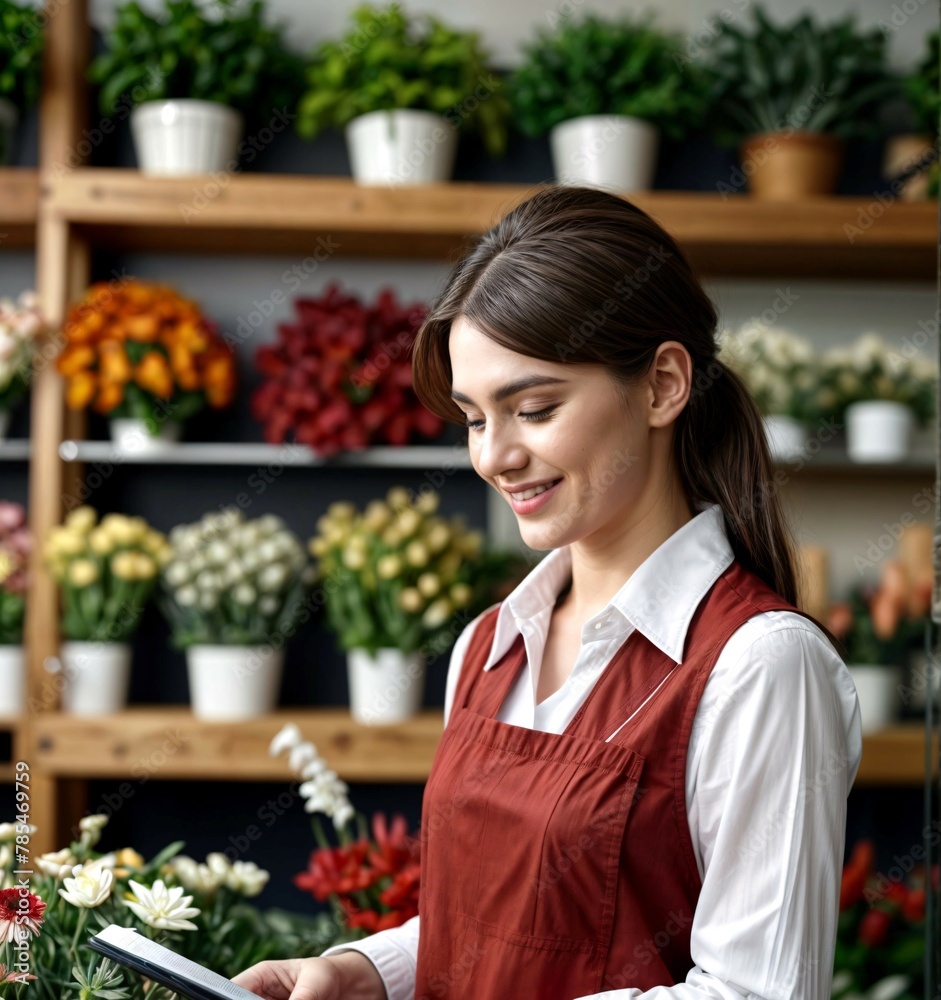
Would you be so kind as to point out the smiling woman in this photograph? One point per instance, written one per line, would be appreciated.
(618, 803)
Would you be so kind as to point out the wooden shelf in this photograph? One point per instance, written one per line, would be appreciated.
(895, 756)
(168, 742)
(300, 214)
(234, 453)
(19, 202)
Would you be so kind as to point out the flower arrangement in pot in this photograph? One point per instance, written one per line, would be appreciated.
(147, 358)
(400, 583)
(605, 90)
(371, 882)
(879, 625)
(790, 95)
(22, 40)
(233, 592)
(21, 325)
(196, 77)
(911, 158)
(402, 86)
(880, 394)
(16, 546)
(339, 376)
(203, 910)
(782, 373)
(880, 938)
(106, 573)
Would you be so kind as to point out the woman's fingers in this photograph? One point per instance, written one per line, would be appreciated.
(291, 979)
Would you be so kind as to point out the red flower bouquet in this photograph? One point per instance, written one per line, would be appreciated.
(881, 929)
(339, 377)
(372, 884)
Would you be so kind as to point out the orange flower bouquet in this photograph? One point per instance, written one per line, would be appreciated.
(139, 351)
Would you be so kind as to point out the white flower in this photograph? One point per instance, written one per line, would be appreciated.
(91, 827)
(9, 831)
(269, 604)
(186, 596)
(286, 738)
(176, 574)
(269, 524)
(219, 864)
(246, 878)
(166, 909)
(272, 578)
(56, 864)
(301, 755)
(219, 553)
(244, 593)
(89, 886)
(194, 876)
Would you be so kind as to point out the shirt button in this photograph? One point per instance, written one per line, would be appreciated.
(598, 624)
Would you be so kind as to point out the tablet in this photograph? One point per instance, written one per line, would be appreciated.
(125, 946)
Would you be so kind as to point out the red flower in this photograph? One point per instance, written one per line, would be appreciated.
(372, 920)
(394, 848)
(339, 870)
(851, 888)
(874, 928)
(21, 915)
(913, 908)
(402, 894)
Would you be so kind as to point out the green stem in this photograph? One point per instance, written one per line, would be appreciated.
(78, 929)
(319, 835)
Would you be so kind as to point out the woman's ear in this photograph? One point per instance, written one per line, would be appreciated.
(670, 382)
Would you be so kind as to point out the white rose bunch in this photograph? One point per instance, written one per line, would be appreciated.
(21, 324)
(232, 580)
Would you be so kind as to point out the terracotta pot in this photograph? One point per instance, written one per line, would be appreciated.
(782, 167)
(901, 153)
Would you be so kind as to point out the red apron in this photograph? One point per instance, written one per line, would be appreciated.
(559, 865)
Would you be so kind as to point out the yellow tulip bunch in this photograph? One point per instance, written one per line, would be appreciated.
(396, 574)
(107, 571)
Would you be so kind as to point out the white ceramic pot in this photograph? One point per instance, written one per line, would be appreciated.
(387, 688)
(4, 424)
(96, 676)
(878, 430)
(617, 152)
(131, 435)
(233, 682)
(186, 136)
(786, 437)
(12, 680)
(9, 119)
(401, 146)
(877, 688)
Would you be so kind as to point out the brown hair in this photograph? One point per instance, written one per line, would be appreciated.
(580, 275)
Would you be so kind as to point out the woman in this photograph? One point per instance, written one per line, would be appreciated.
(641, 786)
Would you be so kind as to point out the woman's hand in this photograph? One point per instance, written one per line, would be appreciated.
(349, 975)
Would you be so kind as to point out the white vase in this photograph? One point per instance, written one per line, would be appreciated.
(387, 688)
(233, 682)
(877, 688)
(12, 680)
(4, 424)
(617, 152)
(9, 119)
(786, 437)
(130, 434)
(878, 430)
(96, 676)
(401, 146)
(186, 136)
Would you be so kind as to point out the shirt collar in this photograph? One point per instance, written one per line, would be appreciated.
(659, 599)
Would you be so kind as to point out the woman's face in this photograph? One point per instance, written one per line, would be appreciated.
(582, 434)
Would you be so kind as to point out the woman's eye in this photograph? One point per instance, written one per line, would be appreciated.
(534, 417)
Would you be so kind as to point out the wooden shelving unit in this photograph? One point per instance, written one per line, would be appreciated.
(734, 236)
(67, 212)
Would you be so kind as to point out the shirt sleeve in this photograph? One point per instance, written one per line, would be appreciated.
(778, 752)
(394, 953)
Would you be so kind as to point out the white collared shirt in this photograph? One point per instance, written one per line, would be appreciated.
(775, 747)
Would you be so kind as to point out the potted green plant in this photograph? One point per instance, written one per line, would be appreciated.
(232, 591)
(21, 49)
(880, 396)
(781, 371)
(400, 583)
(791, 95)
(195, 81)
(604, 90)
(916, 149)
(401, 86)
